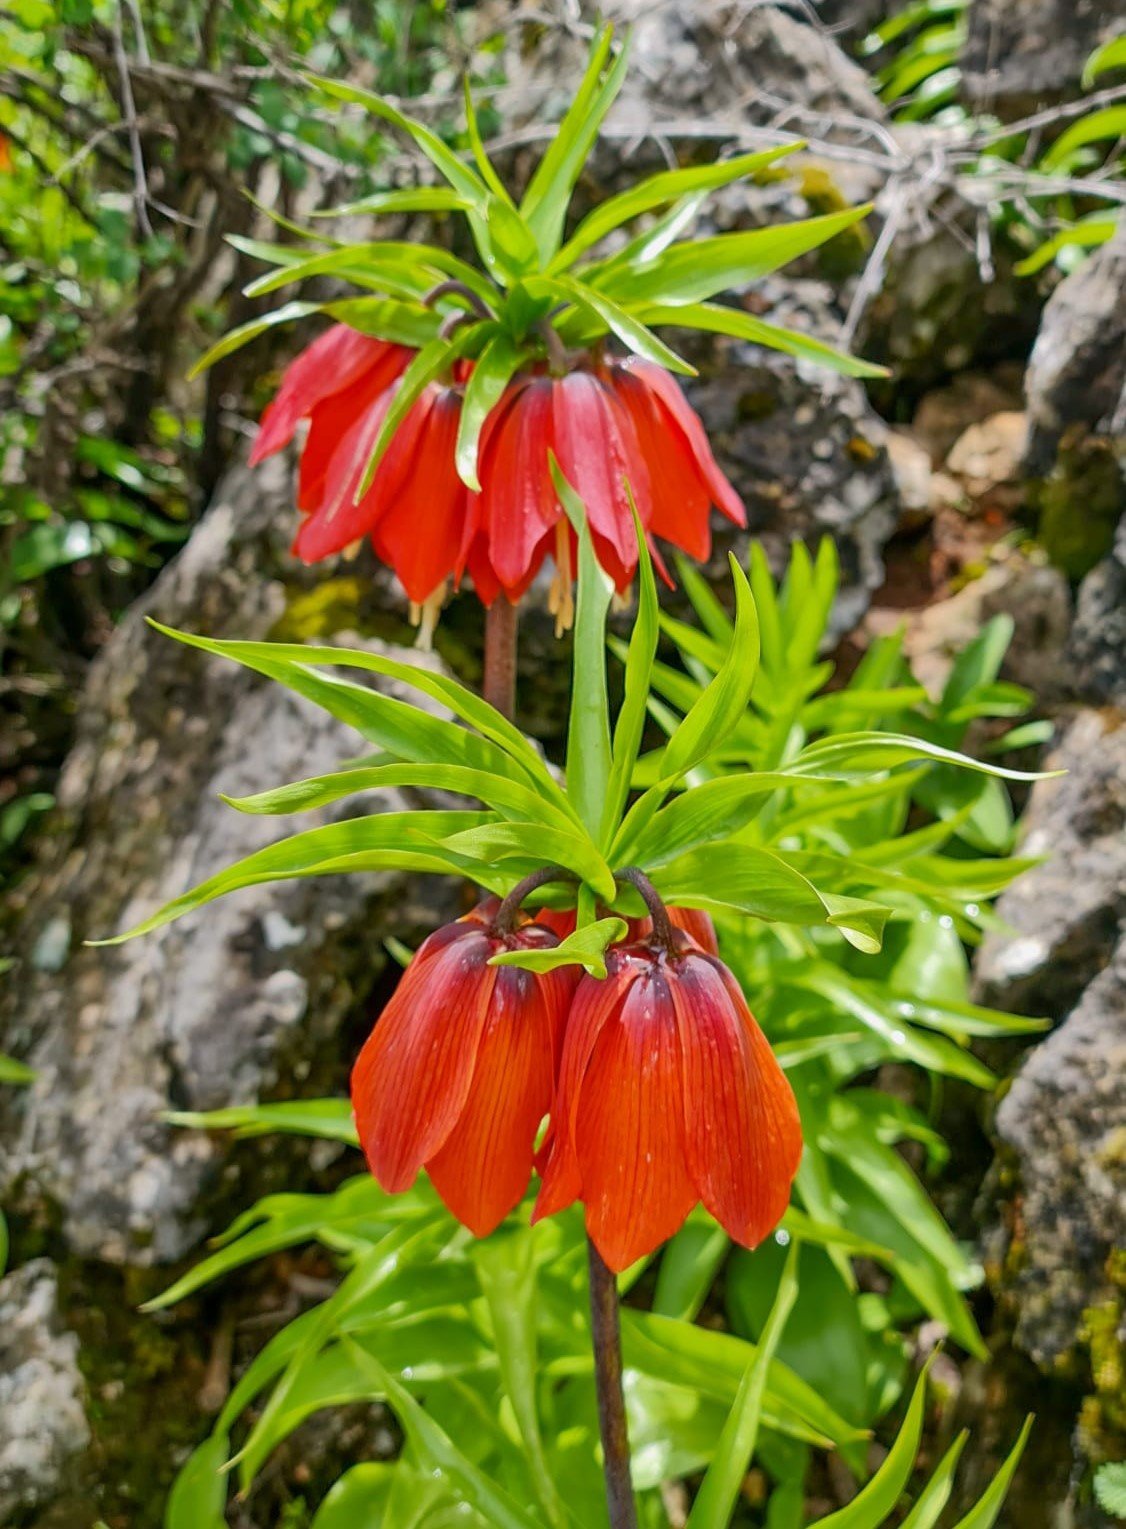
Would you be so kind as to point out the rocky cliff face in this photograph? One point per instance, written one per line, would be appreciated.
(266, 995)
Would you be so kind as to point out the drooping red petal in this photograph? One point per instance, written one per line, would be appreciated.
(742, 1130)
(334, 362)
(681, 502)
(681, 416)
(629, 1131)
(329, 421)
(483, 1168)
(423, 503)
(412, 1078)
(519, 505)
(598, 452)
(594, 1005)
(337, 520)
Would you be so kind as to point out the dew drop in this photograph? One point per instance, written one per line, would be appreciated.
(972, 910)
(782, 1237)
(946, 922)
(898, 1037)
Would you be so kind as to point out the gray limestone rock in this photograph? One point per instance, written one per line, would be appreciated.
(43, 1423)
(1022, 54)
(1077, 370)
(803, 446)
(1064, 1119)
(1066, 915)
(238, 1001)
(1097, 645)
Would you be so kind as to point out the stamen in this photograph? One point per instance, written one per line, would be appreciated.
(425, 616)
(352, 551)
(561, 600)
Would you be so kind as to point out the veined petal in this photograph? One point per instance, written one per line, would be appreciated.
(742, 1130)
(483, 1168)
(519, 507)
(418, 477)
(412, 1078)
(595, 1004)
(598, 451)
(329, 421)
(337, 521)
(681, 501)
(683, 418)
(629, 1132)
(334, 362)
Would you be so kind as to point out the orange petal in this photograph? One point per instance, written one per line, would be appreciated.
(742, 1129)
(630, 1128)
(412, 1078)
(483, 1168)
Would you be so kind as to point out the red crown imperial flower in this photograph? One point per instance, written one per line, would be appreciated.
(457, 1074)
(668, 1095)
(608, 422)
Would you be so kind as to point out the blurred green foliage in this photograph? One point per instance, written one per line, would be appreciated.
(133, 139)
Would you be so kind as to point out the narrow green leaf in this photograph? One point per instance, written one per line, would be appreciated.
(234, 339)
(438, 1452)
(382, 842)
(719, 1491)
(881, 751)
(1111, 55)
(1110, 122)
(496, 791)
(584, 947)
(635, 700)
(198, 1498)
(473, 133)
(875, 1501)
(491, 375)
(385, 318)
(984, 1513)
(589, 752)
(715, 319)
(723, 703)
(617, 319)
(325, 1119)
(432, 360)
(1086, 233)
(668, 186)
(294, 664)
(698, 269)
(513, 242)
(545, 202)
(12, 1071)
(463, 180)
(412, 199)
(936, 1494)
(506, 1266)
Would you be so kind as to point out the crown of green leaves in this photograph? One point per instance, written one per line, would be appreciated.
(535, 289)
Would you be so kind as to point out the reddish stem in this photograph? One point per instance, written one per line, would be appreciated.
(606, 1337)
(499, 683)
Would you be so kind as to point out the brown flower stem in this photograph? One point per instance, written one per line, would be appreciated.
(662, 926)
(506, 913)
(499, 683)
(606, 1337)
(499, 689)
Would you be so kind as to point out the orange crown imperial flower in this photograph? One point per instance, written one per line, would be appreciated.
(434, 402)
(668, 1095)
(458, 1073)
